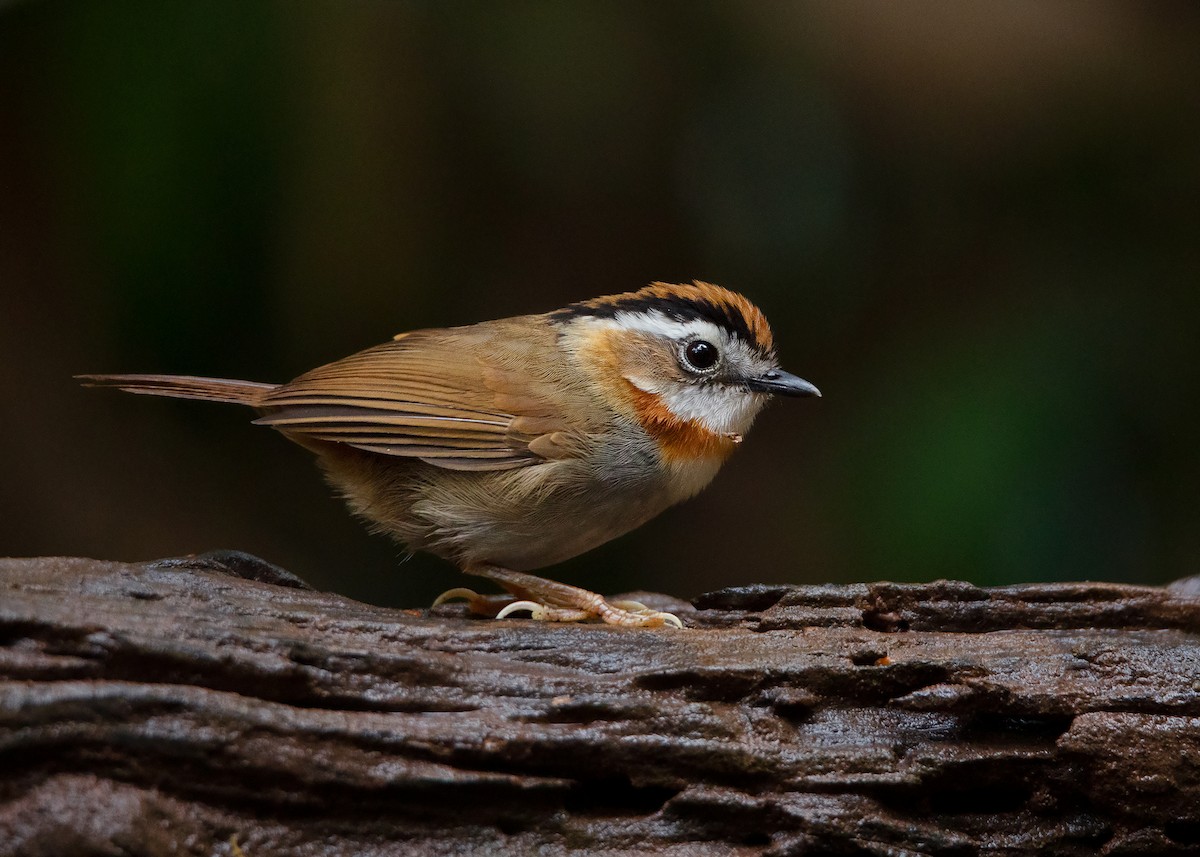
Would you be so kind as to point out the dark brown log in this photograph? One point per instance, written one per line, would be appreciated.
(166, 707)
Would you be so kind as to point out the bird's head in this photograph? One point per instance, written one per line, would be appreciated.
(693, 364)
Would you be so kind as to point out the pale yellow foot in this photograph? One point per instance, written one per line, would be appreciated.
(550, 601)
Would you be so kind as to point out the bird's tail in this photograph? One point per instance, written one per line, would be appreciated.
(184, 387)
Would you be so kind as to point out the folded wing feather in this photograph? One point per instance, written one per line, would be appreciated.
(445, 399)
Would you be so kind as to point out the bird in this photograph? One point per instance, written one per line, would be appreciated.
(510, 445)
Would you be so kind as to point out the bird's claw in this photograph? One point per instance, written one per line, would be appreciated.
(637, 608)
(457, 592)
(544, 612)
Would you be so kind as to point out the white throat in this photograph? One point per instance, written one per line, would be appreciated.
(720, 409)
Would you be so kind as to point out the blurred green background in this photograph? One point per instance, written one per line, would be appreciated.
(976, 226)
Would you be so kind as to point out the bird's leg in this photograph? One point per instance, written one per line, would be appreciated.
(552, 601)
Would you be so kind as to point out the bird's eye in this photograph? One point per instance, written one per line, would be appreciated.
(701, 354)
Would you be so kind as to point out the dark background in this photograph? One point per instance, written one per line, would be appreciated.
(975, 226)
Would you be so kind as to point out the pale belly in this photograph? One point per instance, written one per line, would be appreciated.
(521, 519)
(524, 530)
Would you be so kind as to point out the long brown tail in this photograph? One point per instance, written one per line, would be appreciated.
(184, 387)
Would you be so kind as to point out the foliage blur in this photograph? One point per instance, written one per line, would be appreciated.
(975, 226)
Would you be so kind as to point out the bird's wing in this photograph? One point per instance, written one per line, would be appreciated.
(473, 398)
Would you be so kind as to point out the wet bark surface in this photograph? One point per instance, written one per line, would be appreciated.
(215, 705)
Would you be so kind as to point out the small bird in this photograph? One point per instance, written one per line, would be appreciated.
(510, 445)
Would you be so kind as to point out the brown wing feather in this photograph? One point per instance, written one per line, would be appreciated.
(461, 399)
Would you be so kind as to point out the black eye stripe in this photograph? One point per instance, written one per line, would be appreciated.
(682, 309)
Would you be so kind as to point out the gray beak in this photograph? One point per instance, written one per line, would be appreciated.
(780, 383)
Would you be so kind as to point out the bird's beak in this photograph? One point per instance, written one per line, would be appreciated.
(780, 383)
